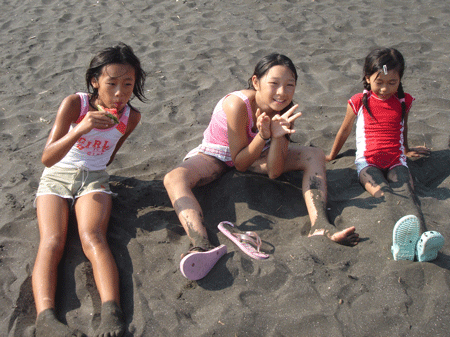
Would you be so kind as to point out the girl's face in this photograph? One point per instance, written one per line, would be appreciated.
(115, 85)
(275, 89)
(384, 86)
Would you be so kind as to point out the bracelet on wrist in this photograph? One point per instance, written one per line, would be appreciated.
(265, 139)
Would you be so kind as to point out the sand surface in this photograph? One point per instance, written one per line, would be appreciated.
(195, 52)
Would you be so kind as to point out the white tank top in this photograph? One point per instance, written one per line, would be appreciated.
(93, 150)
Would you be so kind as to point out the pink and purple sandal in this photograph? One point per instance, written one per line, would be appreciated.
(248, 242)
(196, 265)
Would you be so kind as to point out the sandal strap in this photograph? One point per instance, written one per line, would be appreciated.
(251, 238)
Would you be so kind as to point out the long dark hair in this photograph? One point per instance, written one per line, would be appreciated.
(393, 60)
(119, 54)
(269, 61)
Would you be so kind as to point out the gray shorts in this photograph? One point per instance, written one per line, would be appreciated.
(72, 183)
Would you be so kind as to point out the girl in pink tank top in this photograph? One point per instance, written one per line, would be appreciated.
(249, 130)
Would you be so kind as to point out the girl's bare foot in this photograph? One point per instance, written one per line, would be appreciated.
(48, 325)
(112, 323)
(347, 237)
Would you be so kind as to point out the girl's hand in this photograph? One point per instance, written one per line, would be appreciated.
(417, 152)
(95, 120)
(263, 124)
(282, 125)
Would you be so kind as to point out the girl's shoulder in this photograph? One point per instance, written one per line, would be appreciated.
(70, 107)
(134, 111)
(135, 114)
(73, 98)
(238, 99)
(358, 97)
(356, 101)
(409, 99)
(240, 95)
(133, 119)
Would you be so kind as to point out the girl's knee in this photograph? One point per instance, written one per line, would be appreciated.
(315, 159)
(306, 158)
(174, 178)
(53, 245)
(92, 241)
(378, 194)
(399, 174)
(317, 154)
(168, 178)
(317, 151)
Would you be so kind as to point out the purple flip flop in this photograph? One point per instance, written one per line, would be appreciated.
(196, 265)
(248, 242)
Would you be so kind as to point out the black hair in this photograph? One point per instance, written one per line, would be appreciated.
(119, 54)
(269, 61)
(393, 60)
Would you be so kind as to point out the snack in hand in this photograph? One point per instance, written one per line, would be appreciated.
(111, 113)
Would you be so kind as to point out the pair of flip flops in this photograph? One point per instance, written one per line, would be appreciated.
(199, 261)
(409, 244)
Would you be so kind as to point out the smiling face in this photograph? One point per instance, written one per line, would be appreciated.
(115, 85)
(275, 89)
(384, 86)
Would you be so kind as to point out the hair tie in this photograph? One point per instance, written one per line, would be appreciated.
(385, 71)
(365, 91)
(402, 100)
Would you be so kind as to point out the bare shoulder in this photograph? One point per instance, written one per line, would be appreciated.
(234, 103)
(135, 114)
(70, 108)
(73, 99)
(134, 119)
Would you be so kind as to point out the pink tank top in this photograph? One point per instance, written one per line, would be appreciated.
(217, 130)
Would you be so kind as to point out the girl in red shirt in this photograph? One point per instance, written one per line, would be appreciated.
(381, 114)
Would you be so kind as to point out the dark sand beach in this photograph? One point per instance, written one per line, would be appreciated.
(195, 52)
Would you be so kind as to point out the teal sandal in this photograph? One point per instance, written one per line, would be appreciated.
(404, 239)
(428, 246)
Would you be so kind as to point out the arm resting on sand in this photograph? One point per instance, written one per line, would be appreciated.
(343, 133)
(413, 152)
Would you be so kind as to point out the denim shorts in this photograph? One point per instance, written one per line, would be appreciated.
(72, 183)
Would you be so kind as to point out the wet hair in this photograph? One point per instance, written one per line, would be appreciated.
(119, 54)
(374, 62)
(269, 61)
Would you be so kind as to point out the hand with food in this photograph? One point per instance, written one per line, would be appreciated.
(111, 113)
